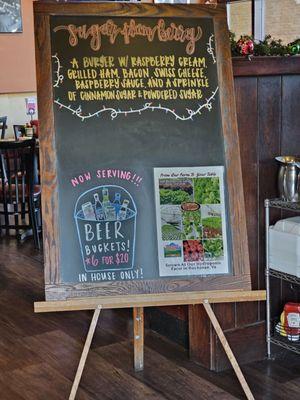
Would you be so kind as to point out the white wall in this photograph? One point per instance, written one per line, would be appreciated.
(13, 105)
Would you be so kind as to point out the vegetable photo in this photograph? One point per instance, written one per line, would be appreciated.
(207, 190)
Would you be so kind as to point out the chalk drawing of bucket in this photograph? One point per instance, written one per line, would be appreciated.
(105, 219)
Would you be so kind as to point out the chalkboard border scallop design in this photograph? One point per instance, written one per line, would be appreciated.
(55, 289)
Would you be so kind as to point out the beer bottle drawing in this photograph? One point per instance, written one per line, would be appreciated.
(105, 201)
(98, 207)
(88, 211)
(110, 213)
(123, 210)
(117, 203)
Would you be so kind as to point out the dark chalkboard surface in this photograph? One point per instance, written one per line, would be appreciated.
(142, 171)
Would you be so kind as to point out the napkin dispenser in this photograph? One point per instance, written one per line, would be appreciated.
(284, 246)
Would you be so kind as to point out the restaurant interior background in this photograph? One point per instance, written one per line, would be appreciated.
(18, 81)
(267, 115)
(18, 78)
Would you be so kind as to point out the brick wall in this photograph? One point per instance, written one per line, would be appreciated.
(240, 18)
(283, 22)
(282, 19)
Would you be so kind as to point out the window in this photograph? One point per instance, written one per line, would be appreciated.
(240, 17)
(280, 19)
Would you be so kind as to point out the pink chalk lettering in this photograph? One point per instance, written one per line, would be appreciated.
(86, 176)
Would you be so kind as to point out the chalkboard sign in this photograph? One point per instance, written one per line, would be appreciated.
(142, 187)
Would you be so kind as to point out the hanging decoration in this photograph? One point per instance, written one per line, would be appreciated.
(245, 45)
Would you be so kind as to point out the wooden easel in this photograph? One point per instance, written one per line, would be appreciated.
(138, 302)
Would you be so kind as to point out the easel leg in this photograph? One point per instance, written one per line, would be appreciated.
(85, 351)
(228, 350)
(138, 331)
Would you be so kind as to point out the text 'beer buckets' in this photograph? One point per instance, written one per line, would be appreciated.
(106, 225)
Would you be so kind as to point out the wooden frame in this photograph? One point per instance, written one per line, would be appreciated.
(148, 300)
(55, 289)
(139, 301)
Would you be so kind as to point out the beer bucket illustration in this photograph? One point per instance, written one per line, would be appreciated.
(105, 218)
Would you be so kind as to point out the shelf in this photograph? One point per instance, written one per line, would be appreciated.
(283, 341)
(276, 338)
(286, 344)
(284, 276)
(284, 205)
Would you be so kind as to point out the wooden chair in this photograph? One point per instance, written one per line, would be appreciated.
(3, 126)
(19, 195)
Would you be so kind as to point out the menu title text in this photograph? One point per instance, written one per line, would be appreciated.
(130, 30)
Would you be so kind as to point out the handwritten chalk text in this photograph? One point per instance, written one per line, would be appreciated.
(131, 30)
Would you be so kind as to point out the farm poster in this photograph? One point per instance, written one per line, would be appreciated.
(191, 221)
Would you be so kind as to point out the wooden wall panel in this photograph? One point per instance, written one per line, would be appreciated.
(250, 342)
(290, 144)
(267, 100)
(276, 301)
(201, 336)
(247, 106)
(181, 312)
(226, 314)
(289, 292)
(290, 141)
(269, 116)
